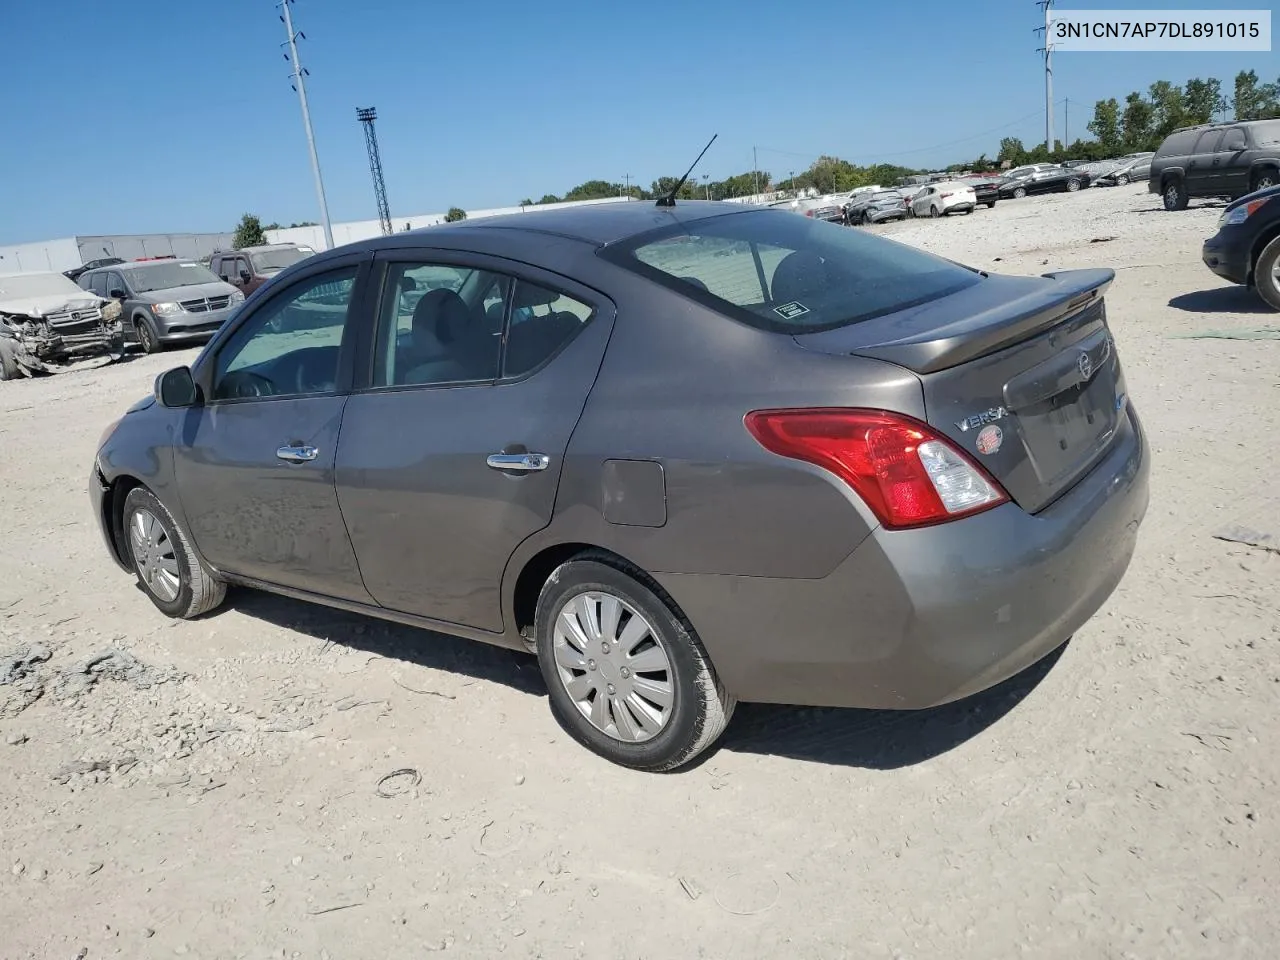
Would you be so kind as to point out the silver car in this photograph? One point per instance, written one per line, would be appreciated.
(165, 301)
(687, 455)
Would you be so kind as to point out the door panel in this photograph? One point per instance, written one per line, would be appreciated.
(255, 461)
(251, 512)
(1232, 173)
(432, 524)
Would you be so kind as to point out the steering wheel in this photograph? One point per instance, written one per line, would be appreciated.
(243, 383)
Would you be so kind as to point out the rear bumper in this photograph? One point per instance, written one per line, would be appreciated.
(1227, 259)
(918, 618)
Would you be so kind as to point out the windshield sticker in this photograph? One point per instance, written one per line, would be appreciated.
(789, 311)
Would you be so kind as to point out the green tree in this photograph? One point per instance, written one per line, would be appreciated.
(248, 232)
(549, 198)
(526, 202)
(1254, 100)
(1012, 151)
(1168, 111)
(594, 190)
(1202, 99)
(1135, 122)
(1105, 125)
(663, 185)
(455, 214)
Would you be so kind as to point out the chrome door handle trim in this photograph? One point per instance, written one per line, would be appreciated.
(524, 462)
(297, 453)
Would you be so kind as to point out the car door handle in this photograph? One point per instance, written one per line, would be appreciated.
(297, 453)
(523, 462)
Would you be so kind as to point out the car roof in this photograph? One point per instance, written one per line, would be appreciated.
(256, 248)
(597, 224)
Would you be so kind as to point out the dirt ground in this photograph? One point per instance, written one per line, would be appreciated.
(211, 789)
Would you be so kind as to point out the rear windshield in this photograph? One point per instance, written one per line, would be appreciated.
(789, 274)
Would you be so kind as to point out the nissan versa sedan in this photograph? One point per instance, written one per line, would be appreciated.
(687, 455)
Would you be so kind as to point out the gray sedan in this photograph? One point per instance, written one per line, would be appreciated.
(688, 456)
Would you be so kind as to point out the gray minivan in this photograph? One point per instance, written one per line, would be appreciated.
(165, 301)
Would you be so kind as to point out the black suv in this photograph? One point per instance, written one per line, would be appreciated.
(1216, 160)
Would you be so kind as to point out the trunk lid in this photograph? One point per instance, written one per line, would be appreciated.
(1020, 372)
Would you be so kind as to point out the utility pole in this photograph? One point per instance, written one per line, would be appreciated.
(1066, 132)
(299, 71)
(1047, 50)
(755, 171)
(366, 116)
(627, 177)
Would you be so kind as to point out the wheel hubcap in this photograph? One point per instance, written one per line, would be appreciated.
(153, 555)
(613, 666)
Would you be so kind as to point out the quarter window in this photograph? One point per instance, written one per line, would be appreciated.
(290, 346)
(542, 321)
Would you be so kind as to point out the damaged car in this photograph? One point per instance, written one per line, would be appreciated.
(48, 325)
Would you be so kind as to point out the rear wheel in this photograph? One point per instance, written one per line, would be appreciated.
(1175, 194)
(147, 336)
(934, 213)
(167, 567)
(1073, 185)
(1019, 193)
(1262, 180)
(626, 674)
(1266, 273)
(991, 204)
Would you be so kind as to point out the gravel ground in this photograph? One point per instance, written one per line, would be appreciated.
(212, 788)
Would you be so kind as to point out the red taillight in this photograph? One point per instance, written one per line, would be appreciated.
(906, 472)
(808, 213)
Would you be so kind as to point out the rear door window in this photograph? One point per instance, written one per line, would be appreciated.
(789, 274)
(1233, 140)
(1208, 142)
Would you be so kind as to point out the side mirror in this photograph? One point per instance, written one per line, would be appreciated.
(245, 276)
(177, 388)
(116, 295)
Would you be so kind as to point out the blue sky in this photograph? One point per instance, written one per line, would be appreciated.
(150, 116)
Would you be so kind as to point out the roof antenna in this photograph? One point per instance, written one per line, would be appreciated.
(670, 199)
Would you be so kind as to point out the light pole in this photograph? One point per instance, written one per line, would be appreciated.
(298, 73)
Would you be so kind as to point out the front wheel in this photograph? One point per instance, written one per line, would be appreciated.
(626, 674)
(167, 568)
(1175, 195)
(1073, 185)
(991, 204)
(1019, 193)
(1263, 180)
(1266, 273)
(1122, 179)
(147, 336)
(934, 213)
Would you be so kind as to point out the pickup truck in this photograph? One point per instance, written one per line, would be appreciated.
(48, 324)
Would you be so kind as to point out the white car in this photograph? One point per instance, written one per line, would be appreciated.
(940, 199)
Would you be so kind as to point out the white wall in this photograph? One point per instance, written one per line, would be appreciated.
(50, 255)
(344, 233)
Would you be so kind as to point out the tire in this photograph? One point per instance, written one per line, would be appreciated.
(1019, 193)
(150, 527)
(8, 362)
(148, 339)
(1266, 274)
(991, 204)
(584, 589)
(1175, 194)
(1073, 185)
(1122, 179)
(934, 213)
(1262, 180)
(911, 213)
